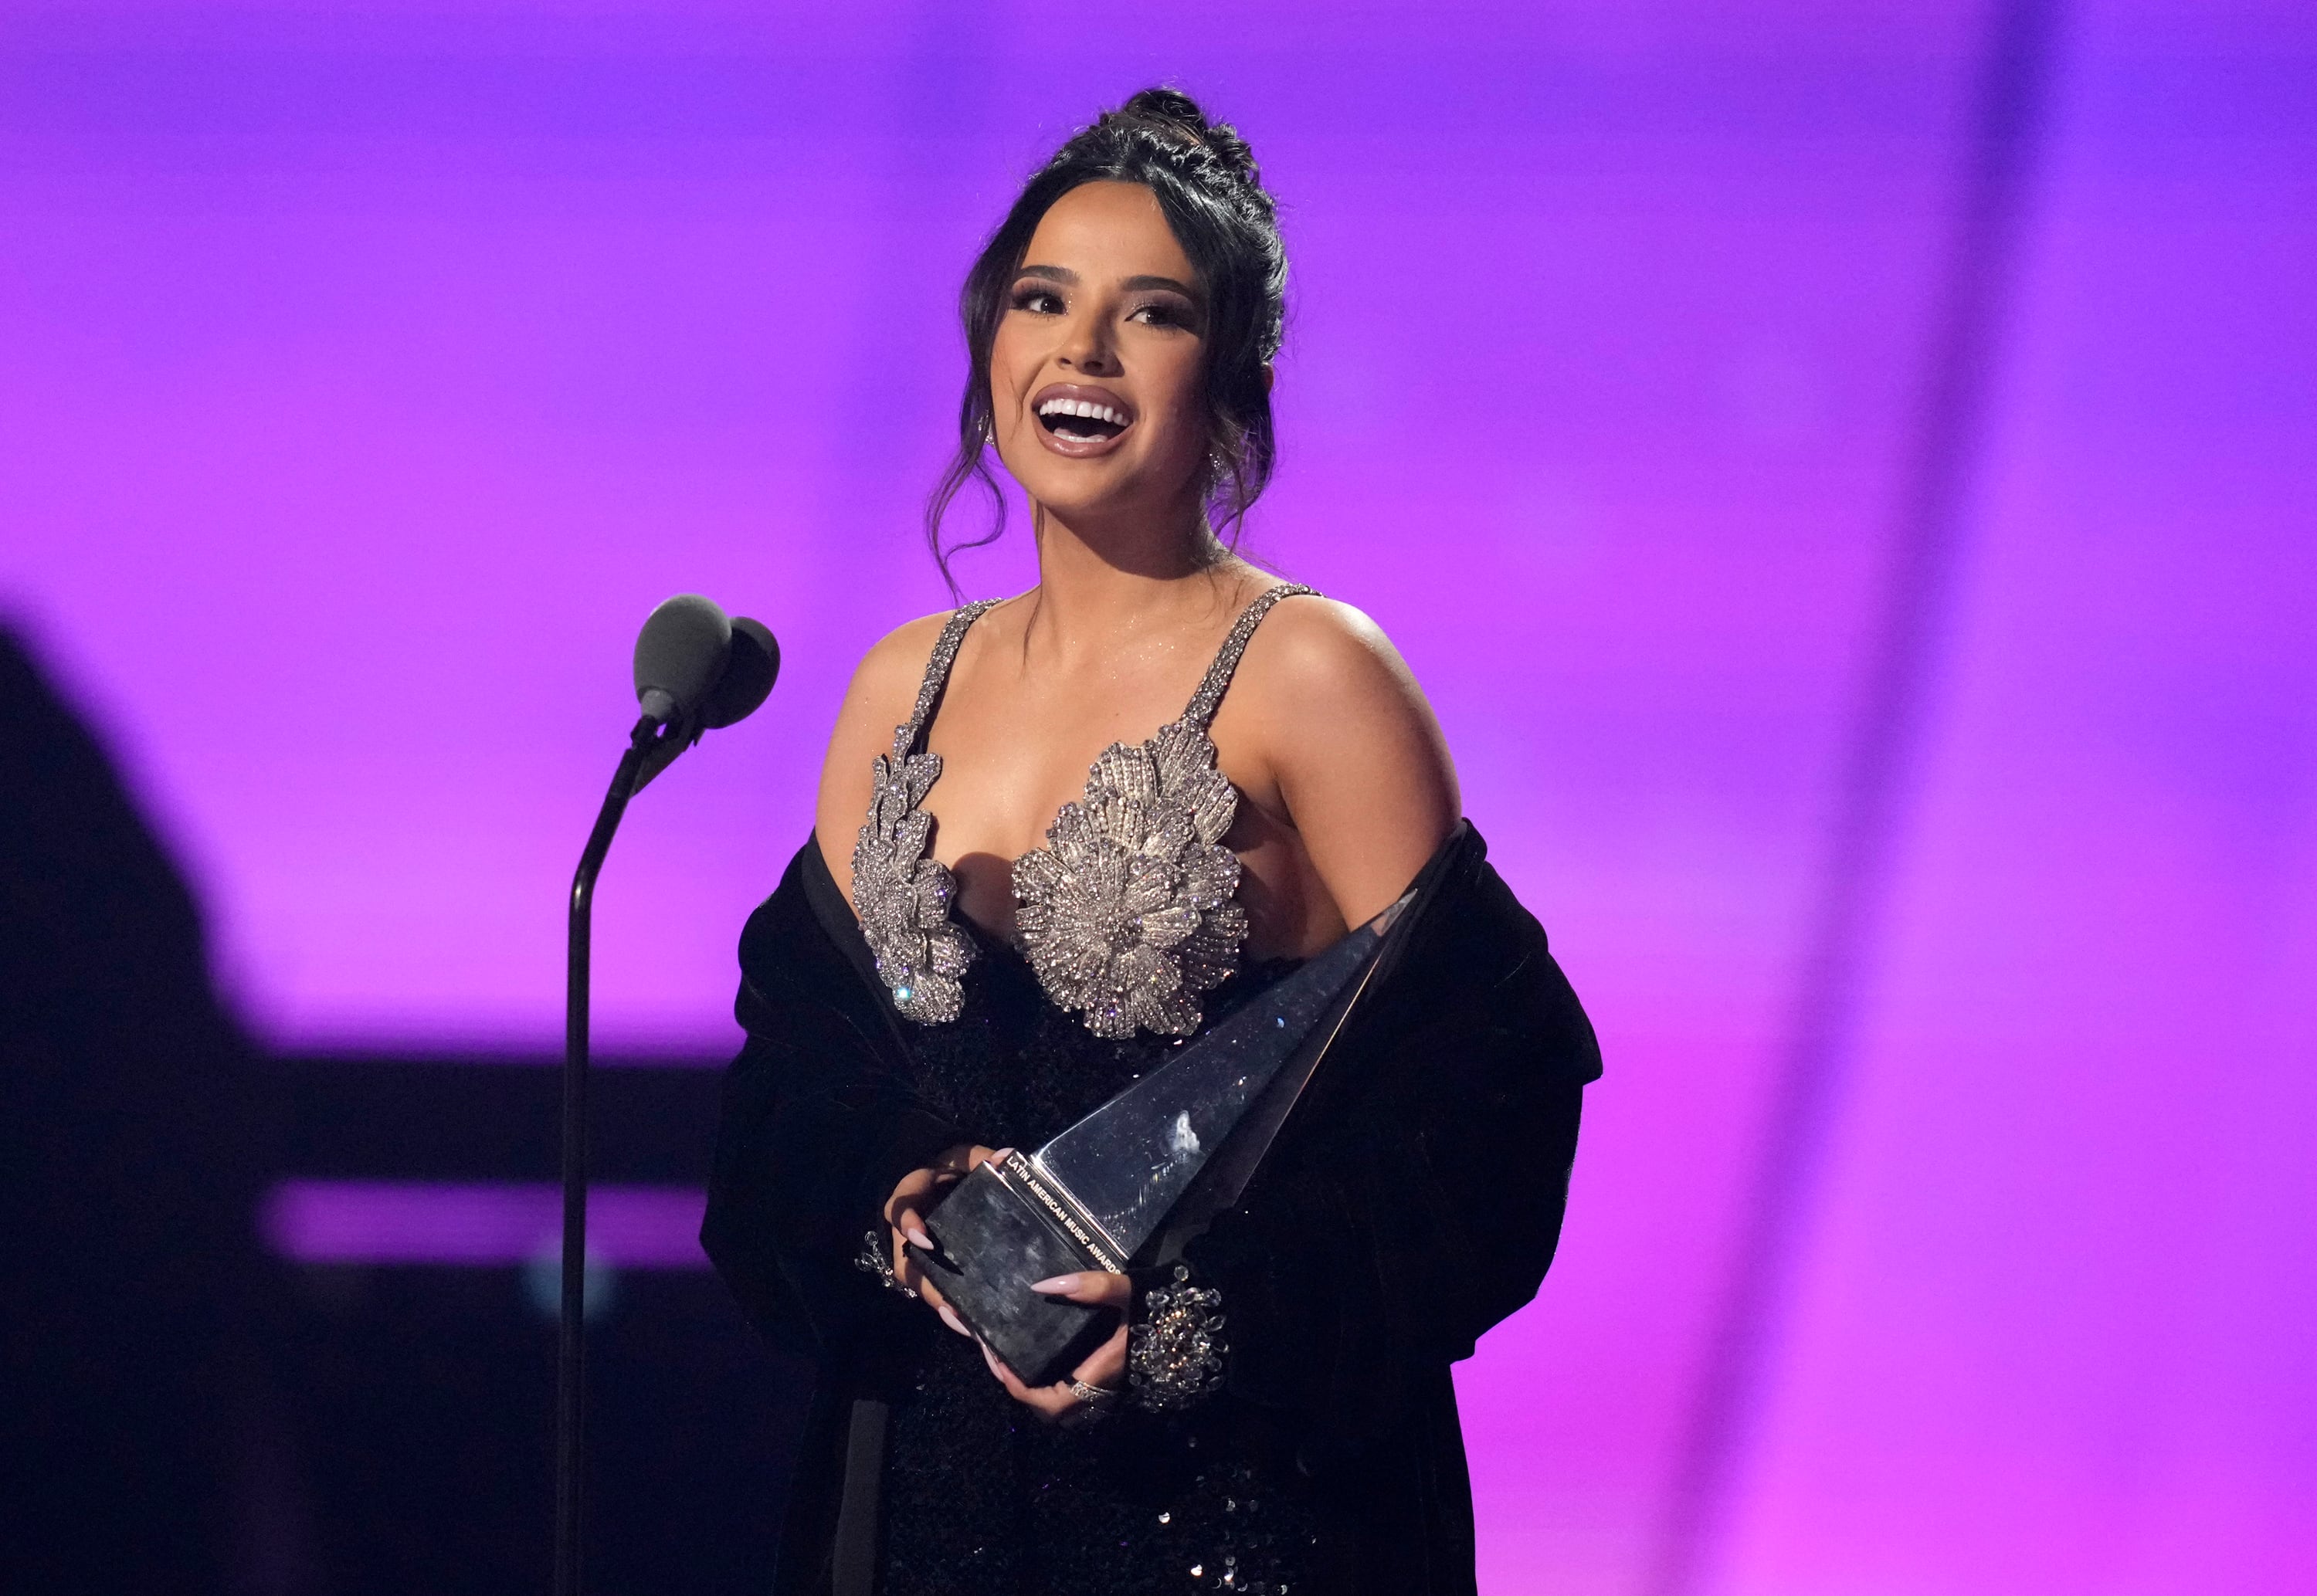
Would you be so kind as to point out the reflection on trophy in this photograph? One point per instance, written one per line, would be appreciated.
(1129, 1183)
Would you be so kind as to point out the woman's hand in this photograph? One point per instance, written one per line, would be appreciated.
(1105, 1369)
(915, 1196)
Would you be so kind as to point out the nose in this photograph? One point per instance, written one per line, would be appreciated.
(1088, 349)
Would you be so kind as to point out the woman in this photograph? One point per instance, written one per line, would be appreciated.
(1011, 938)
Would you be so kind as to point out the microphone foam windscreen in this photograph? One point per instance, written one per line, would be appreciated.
(749, 671)
(682, 649)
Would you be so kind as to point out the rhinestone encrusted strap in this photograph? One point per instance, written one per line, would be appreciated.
(937, 666)
(1210, 696)
(901, 895)
(1175, 1355)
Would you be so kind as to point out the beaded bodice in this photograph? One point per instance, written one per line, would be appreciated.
(1128, 914)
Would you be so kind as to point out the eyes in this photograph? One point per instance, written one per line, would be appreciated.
(1159, 310)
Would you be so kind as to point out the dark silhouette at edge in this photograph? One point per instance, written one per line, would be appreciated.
(140, 1444)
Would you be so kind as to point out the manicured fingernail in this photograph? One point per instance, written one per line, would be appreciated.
(953, 1321)
(920, 1237)
(1060, 1285)
(990, 1358)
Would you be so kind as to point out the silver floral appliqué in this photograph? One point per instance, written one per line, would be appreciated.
(1127, 912)
(903, 897)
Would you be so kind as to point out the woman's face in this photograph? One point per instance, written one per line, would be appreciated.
(1096, 375)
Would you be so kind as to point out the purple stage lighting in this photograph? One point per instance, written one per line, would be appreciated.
(1848, 499)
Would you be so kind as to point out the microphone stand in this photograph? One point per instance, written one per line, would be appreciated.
(571, 1347)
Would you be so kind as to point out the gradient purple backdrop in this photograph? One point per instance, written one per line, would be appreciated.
(370, 373)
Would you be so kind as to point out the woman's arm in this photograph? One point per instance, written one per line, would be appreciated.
(879, 697)
(1418, 1196)
(1346, 750)
(821, 1131)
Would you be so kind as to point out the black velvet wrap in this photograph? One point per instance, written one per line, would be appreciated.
(1414, 1199)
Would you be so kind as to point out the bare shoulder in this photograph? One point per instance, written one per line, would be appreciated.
(884, 688)
(1315, 659)
(1352, 745)
(885, 683)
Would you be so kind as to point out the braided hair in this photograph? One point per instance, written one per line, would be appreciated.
(1205, 178)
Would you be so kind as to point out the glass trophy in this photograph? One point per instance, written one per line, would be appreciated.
(1125, 1185)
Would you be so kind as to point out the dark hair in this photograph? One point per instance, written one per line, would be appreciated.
(1205, 178)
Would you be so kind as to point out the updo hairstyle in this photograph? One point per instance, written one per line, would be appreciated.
(1205, 178)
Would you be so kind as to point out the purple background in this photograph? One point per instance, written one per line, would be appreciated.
(1857, 532)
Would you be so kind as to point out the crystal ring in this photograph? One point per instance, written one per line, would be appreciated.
(1095, 1403)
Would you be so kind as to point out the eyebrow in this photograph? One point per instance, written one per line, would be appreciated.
(1063, 274)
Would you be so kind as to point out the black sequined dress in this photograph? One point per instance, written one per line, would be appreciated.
(978, 1492)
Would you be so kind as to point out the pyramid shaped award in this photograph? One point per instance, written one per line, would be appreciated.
(1146, 1168)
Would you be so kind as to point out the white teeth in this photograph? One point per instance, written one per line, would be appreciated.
(1086, 407)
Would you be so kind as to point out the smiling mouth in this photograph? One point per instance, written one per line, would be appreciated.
(1081, 420)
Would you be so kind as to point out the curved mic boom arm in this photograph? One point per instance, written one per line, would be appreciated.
(571, 1337)
(725, 668)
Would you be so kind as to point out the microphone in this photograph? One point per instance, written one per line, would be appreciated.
(696, 669)
(680, 655)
